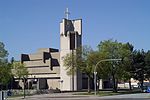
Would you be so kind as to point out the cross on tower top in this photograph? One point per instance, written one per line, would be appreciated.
(67, 13)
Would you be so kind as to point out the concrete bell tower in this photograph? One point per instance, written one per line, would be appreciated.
(70, 40)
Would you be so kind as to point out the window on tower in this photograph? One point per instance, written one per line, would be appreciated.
(72, 41)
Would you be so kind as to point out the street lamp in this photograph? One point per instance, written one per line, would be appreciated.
(95, 73)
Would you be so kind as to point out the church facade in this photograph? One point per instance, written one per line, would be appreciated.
(46, 67)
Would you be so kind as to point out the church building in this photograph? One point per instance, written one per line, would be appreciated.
(46, 67)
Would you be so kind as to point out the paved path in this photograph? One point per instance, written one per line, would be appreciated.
(69, 96)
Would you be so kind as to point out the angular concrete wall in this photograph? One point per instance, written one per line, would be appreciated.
(44, 64)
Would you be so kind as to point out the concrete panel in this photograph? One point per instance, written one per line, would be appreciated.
(47, 50)
(78, 26)
(48, 76)
(36, 56)
(36, 63)
(64, 43)
(43, 70)
(55, 55)
(53, 83)
(66, 84)
(44, 50)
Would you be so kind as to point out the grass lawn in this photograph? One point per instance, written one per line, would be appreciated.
(19, 95)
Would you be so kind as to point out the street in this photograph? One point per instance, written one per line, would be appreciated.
(69, 96)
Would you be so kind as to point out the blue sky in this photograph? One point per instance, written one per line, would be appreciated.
(26, 25)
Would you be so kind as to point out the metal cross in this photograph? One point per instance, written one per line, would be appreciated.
(67, 13)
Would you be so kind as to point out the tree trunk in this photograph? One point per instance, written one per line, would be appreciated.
(142, 84)
(72, 70)
(89, 89)
(73, 81)
(114, 83)
(130, 85)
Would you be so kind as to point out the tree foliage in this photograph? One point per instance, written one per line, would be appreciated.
(77, 60)
(5, 68)
(3, 52)
(19, 70)
(135, 64)
(110, 49)
(139, 69)
(80, 60)
(5, 73)
(147, 62)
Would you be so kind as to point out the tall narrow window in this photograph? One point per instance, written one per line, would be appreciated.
(72, 41)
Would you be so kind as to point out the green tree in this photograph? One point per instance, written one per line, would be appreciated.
(86, 63)
(127, 64)
(5, 69)
(19, 70)
(5, 73)
(79, 60)
(147, 62)
(110, 49)
(3, 52)
(139, 66)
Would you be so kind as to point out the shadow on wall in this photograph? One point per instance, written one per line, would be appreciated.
(43, 83)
